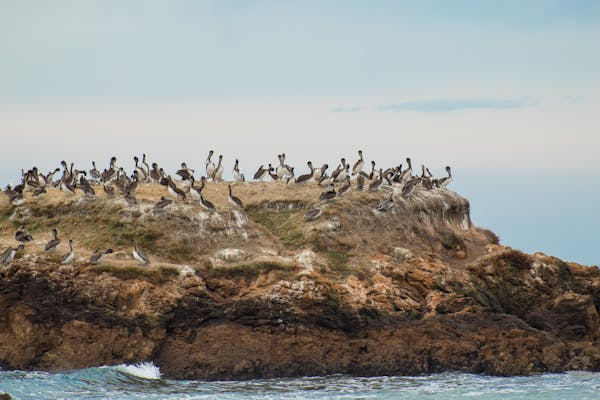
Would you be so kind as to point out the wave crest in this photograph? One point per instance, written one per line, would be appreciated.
(145, 370)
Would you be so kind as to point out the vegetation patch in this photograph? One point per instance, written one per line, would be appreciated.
(156, 275)
(490, 236)
(251, 271)
(515, 259)
(282, 223)
(337, 261)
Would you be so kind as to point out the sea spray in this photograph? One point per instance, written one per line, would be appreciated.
(145, 370)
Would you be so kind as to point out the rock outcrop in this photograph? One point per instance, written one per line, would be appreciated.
(265, 293)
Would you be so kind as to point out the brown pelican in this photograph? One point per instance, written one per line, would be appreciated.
(185, 173)
(218, 174)
(306, 177)
(358, 166)
(329, 194)
(237, 175)
(386, 204)
(445, 181)
(376, 184)
(261, 172)
(9, 254)
(162, 203)
(210, 166)
(70, 256)
(235, 200)
(138, 254)
(313, 214)
(22, 236)
(174, 190)
(96, 258)
(54, 242)
(346, 187)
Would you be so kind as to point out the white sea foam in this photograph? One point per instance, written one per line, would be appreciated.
(146, 370)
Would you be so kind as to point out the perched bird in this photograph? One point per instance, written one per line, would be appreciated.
(96, 258)
(409, 187)
(9, 254)
(376, 184)
(130, 198)
(138, 254)
(162, 203)
(109, 190)
(261, 172)
(210, 166)
(346, 187)
(207, 204)
(313, 214)
(40, 191)
(235, 200)
(70, 256)
(218, 173)
(195, 191)
(174, 190)
(155, 174)
(445, 181)
(329, 194)
(360, 182)
(18, 200)
(54, 242)
(22, 236)
(237, 175)
(306, 177)
(386, 204)
(185, 173)
(358, 166)
(94, 173)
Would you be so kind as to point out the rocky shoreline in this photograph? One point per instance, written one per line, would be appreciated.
(415, 290)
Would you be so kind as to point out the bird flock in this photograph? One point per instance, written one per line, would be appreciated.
(115, 182)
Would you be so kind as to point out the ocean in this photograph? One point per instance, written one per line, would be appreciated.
(143, 381)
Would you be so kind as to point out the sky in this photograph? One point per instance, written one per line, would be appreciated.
(504, 92)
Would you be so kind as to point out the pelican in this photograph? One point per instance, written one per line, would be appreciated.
(54, 242)
(22, 236)
(235, 200)
(96, 258)
(358, 166)
(9, 254)
(237, 175)
(210, 166)
(445, 181)
(138, 254)
(162, 203)
(70, 256)
(329, 194)
(218, 174)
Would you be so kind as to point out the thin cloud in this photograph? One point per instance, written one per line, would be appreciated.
(448, 105)
(347, 109)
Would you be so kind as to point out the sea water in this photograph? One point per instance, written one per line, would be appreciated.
(144, 381)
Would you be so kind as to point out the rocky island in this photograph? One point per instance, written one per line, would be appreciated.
(265, 292)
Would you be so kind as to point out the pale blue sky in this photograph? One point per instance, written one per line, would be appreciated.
(505, 91)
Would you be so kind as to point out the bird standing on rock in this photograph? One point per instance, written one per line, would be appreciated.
(235, 200)
(70, 256)
(329, 194)
(9, 254)
(96, 258)
(138, 254)
(22, 236)
(54, 242)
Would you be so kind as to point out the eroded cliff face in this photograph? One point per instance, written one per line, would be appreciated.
(264, 293)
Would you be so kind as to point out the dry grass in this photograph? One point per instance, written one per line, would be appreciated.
(285, 224)
(252, 270)
(153, 274)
